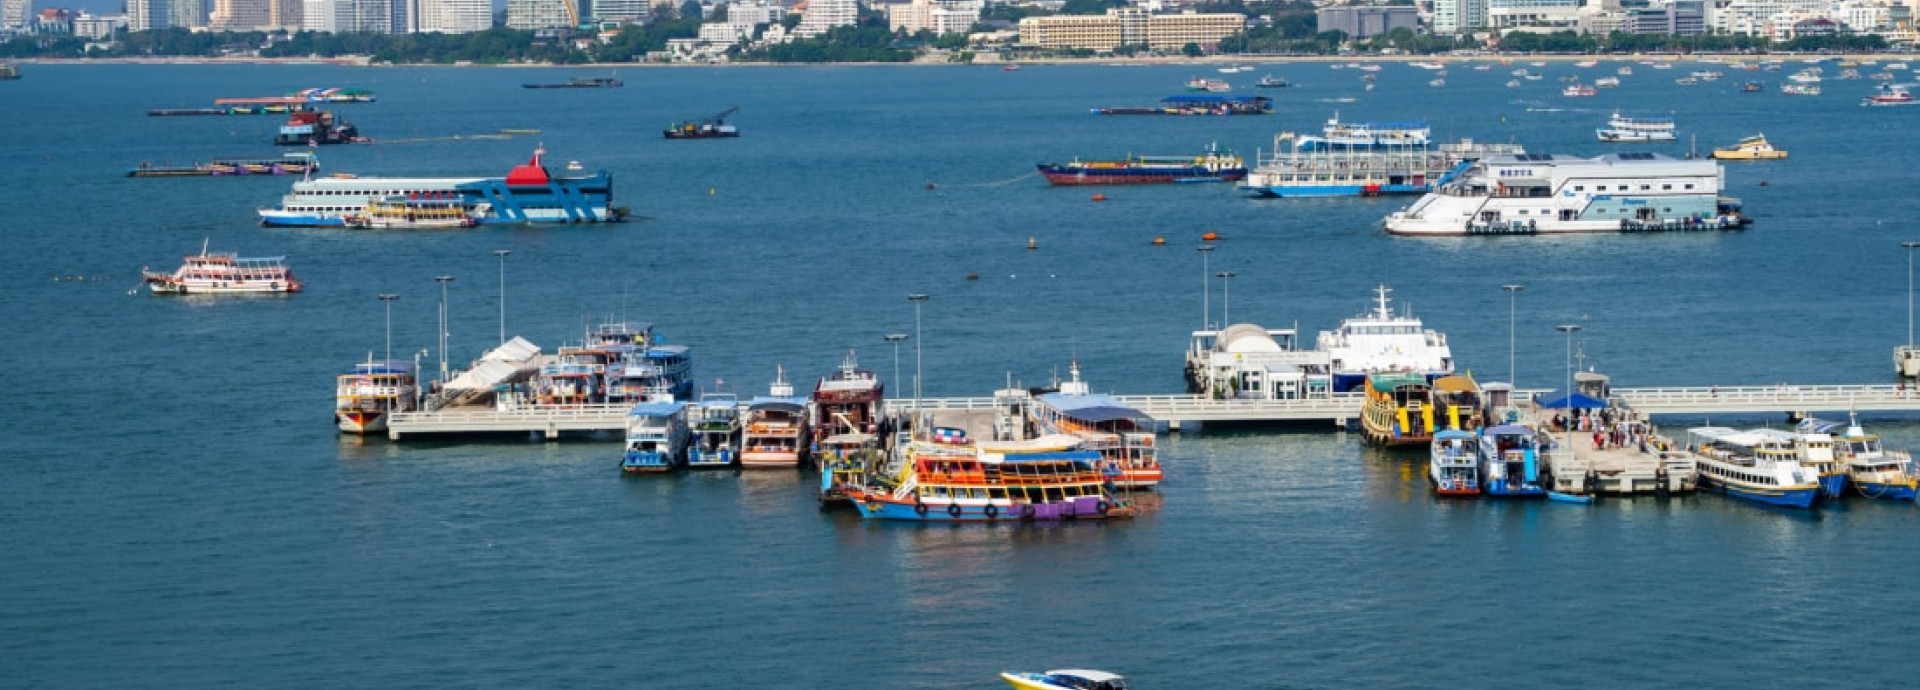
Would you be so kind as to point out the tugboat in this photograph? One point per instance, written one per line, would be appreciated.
(315, 128)
(710, 128)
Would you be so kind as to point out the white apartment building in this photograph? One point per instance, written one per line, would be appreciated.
(326, 15)
(185, 14)
(823, 15)
(1555, 14)
(1129, 26)
(939, 16)
(146, 15)
(1458, 16)
(14, 13)
(755, 13)
(725, 33)
(624, 11)
(97, 26)
(454, 16)
(531, 15)
(240, 15)
(1751, 17)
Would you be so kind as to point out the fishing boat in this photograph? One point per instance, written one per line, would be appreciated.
(1039, 479)
(1749, 466)
(850, 400)
(1621, 128)
(1210, 165)
(315, 128)
(1510, 462)
(1753, 148)
(1547, 194)
(1800, 89)
(714, 127)
(1010, 67)
(1381, 341)
(224, 273)
(774, 428)
(433, 210)
(1065, 679)
(291, 164)
(529, 193)
(580, 83)
(657, 438)
(1210, 85)
(1122, 435)
(366, 396)
(1271, 82)
(1888, 94)
(1397, 411)
(1578, 89)
(715, 424)
(1872, 470)
(1454, 467)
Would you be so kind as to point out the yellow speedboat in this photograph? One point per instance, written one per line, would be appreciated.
(1753, 148)
(1065, 679)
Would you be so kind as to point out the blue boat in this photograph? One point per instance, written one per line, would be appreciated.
(1752, 466)
(1454, 466)
(529, 193)
(1872, 470)
(1569, 498)
(716, 431)
(656, 437)
(1510, 462)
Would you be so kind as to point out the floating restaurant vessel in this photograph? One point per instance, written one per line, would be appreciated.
(1363, 159)
(1547, 194)
(224, 273)
(528, 194)
(291, 164)
(1210, 166)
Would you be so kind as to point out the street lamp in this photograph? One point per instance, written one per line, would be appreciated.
(389, 299)
(443, 280)
(916, 299)
(1206, 286)
(895, 338)
(1226, 295)
(1512, 292)
(1569, 329)
(1910, 246)
(502, 253)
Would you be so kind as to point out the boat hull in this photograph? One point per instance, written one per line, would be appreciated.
(1311, 191)
(889, 508)
(1070, 176)
(1890, 491)
(1787, 497)
(753, 460)
(1499, 488)
(361, 422)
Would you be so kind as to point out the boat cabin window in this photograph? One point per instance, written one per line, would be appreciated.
(1623, 188)
(1646, 187)
(1579, 188)
(1688, 187)
(1666, 186)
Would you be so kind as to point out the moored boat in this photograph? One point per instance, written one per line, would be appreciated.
(1748, 466)
(1888, 94)
(1751, 148)
(1210, 166)
(580, 83)
(1198, 104)
(1622, 128)
(224, 273)
(1271, 82)
(1039, 479)
(1211, 85)
(715, 127)
(315, 128)
(365, 397)
(291, 164)
(774, 428)
(1873, 471)
(8, 71)
(433, 210)
(1548, 194)
(1800, 89)
(333, 95)
(1510, 462)
(1578, 89)
(1454, 466)
(1122, 435)
(657, 437)
(1065, 679)
(1398, 411)
(1383, 341)
(715, 424)
(529, 193)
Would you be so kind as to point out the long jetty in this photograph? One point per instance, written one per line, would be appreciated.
(1175, 410)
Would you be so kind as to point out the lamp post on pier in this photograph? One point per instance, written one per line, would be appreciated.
(1226, 296)
(443, 280)
(1206, 287)
(1512, 292)
(895, 338)
(502, 253)
(389, 299)
(916, 299)
(1569, 329)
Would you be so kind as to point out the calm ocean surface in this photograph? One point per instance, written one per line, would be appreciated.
(177, 510)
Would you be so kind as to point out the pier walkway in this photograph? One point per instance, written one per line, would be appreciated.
(1174, 410)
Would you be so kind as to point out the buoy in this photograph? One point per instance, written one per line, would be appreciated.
(1210, 236)
(1763, 183)
(973, 276)
(929, 185)
(1159, 241)
(1031, 244)
(1099, 197)
(712, 191)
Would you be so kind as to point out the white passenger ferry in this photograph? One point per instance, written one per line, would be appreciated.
(1622, 128)
(528, 194)
(1382, 341)
(1543, 194)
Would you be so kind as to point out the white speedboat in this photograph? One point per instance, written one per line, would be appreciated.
(1065, 679)
(1622, 128)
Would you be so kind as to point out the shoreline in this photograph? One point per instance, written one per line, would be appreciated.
(987, 60)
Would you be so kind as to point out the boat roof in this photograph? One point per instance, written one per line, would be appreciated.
(1505, 429)
(1213, 99)
(1052, 456)
(656, 409)
(1387, 382)
(391, 366)
(1456, 383)
(1049, 442)
(1091, 407)
(1451, 434)
(783, 404)
(1095, 676)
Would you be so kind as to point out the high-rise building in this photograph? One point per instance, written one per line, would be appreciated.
(531, 15)
(1367, 21)
(822, 15)
(1456, 16)
(240, 15)
(146, 15)
(186, 14)
(454, 16)
(14, 13)
(629, 10)
(325, 15)
(283, 14)
(1129, 26)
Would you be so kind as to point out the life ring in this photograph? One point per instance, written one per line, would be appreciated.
(993, 511)
(1103, 507)
(919, 508)
(954, 510)
(1446, 484)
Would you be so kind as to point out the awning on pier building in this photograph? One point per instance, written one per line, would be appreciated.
(1560, 399)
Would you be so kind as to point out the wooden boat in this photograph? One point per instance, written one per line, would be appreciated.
(418, 211)
(1569, 498)
(948, 478)
(1398, 410)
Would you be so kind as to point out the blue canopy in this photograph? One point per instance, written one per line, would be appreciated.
(1561, 399)
(656, 409)
(1091, 408)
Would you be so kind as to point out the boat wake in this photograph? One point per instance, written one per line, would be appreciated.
(997, 183)
(502, 134)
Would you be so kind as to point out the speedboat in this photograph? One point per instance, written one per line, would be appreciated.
(1065, 679)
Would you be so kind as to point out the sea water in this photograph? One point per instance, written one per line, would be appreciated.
(177, 509)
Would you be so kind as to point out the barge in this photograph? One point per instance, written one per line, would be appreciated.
(1210, 166)
(1198, 105)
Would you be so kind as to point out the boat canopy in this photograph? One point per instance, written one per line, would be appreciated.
(788, 405)
(1561, 399)
(656, 409)
(516, 350)
(1451, 434)
(1086, 456)
(1091, 407)
(1812, 425)
(1087, 680)
(1386, 383)
(1460, 383)
(389, 366)
(1508, 430)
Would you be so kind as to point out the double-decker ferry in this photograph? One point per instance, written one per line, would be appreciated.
(373, 391)
(1872, 470)
(1510, 462)
(1122, 435)
(1549, 194)
(1622, 128)
(1752, 466)
(1047, 478)
(529, 193)
(657, 436)
(1454, 466)
(774, 428)
(224, 273)
(715, 421)
(1398, 411)
(1382, 341)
